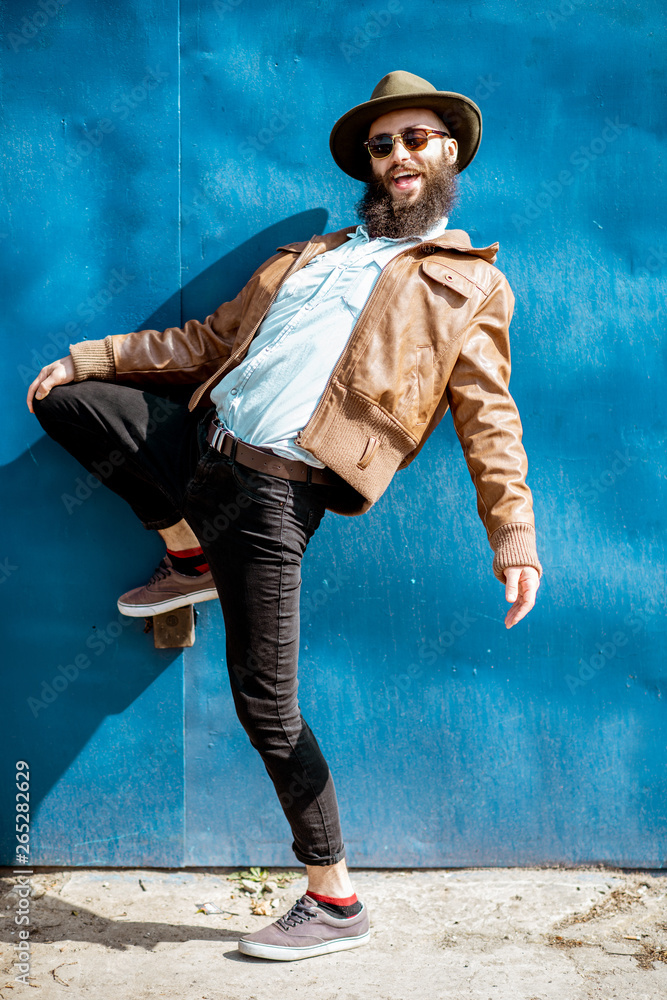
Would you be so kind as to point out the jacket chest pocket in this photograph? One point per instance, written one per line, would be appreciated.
(448, 282)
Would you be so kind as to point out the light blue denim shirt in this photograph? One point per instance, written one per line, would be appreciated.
(273, 393)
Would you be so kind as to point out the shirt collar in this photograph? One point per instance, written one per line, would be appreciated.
(435, 230)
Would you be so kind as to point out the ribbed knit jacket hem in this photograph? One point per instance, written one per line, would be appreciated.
(93, 359)
(514, 545)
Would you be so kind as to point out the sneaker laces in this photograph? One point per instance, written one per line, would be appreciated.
(299, 914)
(161, 570)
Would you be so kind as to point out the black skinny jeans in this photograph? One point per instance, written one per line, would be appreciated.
(254, 529)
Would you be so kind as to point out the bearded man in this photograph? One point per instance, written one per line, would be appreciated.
(323, 377)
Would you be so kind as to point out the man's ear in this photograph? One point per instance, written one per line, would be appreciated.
(452, 150)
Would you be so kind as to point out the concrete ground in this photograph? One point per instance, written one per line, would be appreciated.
(462, 934)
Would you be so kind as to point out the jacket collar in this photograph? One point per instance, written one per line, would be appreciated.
(458, 239)
(451, 239)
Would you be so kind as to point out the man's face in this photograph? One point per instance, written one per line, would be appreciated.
(409, 192)
(402, 173)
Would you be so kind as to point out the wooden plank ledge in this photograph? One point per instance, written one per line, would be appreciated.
(174, 628)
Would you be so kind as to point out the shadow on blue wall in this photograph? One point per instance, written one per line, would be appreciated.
(221, 281)
(76, 660)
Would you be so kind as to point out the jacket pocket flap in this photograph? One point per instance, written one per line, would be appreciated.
(445, 275)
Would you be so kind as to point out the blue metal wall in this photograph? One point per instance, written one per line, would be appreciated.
(155, 153)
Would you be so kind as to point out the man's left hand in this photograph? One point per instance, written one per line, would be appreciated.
(521, 583)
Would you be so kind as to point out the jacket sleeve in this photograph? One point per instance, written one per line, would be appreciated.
(183, 355)
(488, 426)
(177, 355)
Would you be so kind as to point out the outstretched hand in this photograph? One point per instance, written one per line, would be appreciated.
(57, 373)
(521, 583)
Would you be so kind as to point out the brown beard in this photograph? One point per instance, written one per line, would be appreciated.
(396, 219)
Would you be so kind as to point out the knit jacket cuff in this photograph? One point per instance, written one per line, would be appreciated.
(93, 359)
(514, 545)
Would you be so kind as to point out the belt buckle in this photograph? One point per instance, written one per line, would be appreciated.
(219, 434)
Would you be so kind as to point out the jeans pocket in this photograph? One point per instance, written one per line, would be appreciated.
(205, 469)
(260, 487)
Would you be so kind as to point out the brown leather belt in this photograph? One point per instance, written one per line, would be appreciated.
(265, 461)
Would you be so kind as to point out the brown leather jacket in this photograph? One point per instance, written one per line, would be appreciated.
(433, 336)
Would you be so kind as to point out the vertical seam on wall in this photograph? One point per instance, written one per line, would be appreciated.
(180, 172)
(184, 833)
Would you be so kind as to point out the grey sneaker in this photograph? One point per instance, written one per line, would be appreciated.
(167, 589)
(307, 930)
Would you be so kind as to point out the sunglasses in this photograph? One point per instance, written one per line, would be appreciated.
(414, 140)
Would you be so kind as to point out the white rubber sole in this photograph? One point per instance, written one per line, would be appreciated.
(280, 954)
(160, 607)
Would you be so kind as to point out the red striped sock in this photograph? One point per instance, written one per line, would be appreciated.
(334, 900)
(347, 906)
(189, 562)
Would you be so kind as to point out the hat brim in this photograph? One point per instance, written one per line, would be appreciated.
(460, 114)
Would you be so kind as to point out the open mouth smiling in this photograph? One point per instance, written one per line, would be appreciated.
(405, 179)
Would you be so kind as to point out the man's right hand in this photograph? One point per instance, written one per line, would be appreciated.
(57, 373)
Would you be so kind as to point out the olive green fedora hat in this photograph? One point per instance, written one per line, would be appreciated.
(404, 90)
